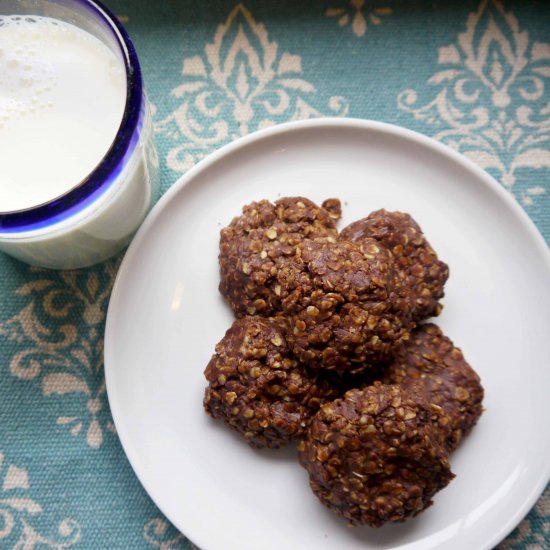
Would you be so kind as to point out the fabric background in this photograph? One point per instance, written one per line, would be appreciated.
(475, 75)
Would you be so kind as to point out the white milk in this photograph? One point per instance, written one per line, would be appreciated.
(62, 96)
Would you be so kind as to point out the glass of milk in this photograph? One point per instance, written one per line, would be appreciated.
(78, 166)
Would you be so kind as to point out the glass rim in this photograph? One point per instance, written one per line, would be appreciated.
(86, 191)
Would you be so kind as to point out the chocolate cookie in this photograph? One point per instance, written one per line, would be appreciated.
(453, 388)
(374, 457)
(256, 245)
(258, 388)
(421, 274)
(339, 304)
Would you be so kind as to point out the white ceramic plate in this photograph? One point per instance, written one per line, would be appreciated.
(166, 315)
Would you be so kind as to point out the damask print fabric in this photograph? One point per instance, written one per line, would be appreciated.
(473, 74)
(242, 82)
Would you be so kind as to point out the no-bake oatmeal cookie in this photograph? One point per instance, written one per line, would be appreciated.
(374, 457)
(258, 388)
(422, 274)
(452, 387)
(256, 245)
(339, 302)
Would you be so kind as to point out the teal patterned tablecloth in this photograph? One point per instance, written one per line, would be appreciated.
(473, 74)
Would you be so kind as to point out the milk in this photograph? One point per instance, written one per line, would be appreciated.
(62, 97)
(63, 94)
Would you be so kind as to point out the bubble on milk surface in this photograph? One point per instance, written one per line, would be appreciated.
(24, 76)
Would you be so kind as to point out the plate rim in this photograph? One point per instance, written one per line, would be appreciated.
(242, 143)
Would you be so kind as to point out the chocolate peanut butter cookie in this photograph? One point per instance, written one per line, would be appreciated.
(452, 387)
(258, 388)
(374, 457)
(257, 244)
(421, 274)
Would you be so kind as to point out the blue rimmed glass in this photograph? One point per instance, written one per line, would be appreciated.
(83, 213)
